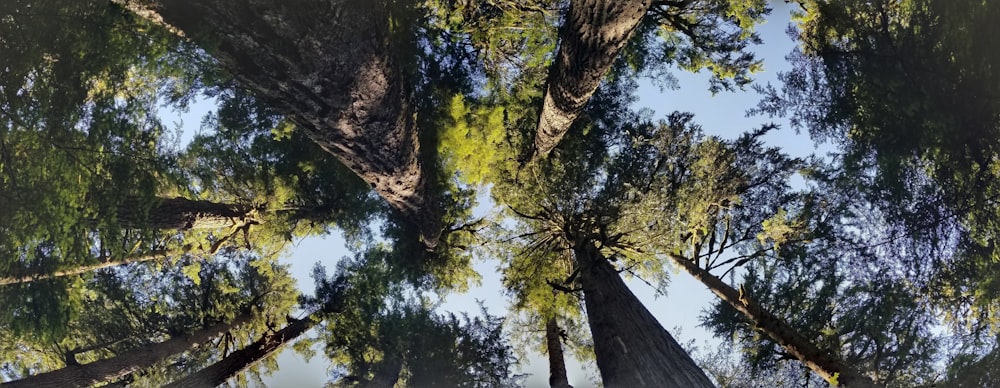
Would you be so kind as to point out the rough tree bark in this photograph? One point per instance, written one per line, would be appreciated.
(557, 363)
(830, 368)
(328, 66)
(219, 372)
(182, 214)
(114, 368)
(632, 349)
(592, 34)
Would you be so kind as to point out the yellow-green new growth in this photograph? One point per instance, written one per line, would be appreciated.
(470, 140)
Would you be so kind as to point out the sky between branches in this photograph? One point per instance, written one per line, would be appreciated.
(722, 115)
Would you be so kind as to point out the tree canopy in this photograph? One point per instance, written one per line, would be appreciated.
(439, 138)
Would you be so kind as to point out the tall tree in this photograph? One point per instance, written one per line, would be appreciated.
(105, 262)
(110, 369)
(908, 90)
(379, 337)
(232, 364)
(554, 351)
(341, 83)
(714, 35)
(830, 368)
(139, 306)
(591, 36)
(633, 349)
(79, 134)
(561, 217)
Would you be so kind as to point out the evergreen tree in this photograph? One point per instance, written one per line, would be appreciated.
(343, 84)
(379, 337)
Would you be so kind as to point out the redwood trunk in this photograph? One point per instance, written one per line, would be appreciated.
(82, 269)
(114, 368)
(821, 362)
(328, 66)
(557, 362)
(591, 37)
(217, 373)
(181, 214)
(632, 349)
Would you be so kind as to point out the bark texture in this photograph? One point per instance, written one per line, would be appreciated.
(328, 66)
(591, 37)
(821, 362)
(217, 373)
(632, 349)
(82, 269)
(114, 368)
(557, 362)
(182, 214)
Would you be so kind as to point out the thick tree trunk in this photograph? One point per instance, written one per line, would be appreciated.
(591, 37)
(183, 214)
(116, 367)
(632, 349)
(557, 362)
(830, 368)
(328, 65)
(180, 214)
(157, 255)
(219, 372)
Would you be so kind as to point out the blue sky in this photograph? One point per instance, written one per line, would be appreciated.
(722, 115)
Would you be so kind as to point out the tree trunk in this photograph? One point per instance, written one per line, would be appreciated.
(156, 255)
(557, 363)
(219, 372)
(328, 66)
(632, 349)
(129, 362)
(830, 368)
(386, 373)
(181, 214)
(591, 37)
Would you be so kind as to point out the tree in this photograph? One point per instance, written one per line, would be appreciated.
(591, 36)
(113, 368)
(830, 368)
(80, 137)
(907, 89)
(217, 373)
(629, 360)
(344, 88)
(554, 350)
(562, 217)
(594, 32)
(378, 336)
(105, 263)
(138, 307)
(888, 82)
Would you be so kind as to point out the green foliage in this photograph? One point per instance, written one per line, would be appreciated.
(250, 155)
(905, 87)
(78, 137)
(374, 325)
(139, 305)
(841, 277)
(471, 139)
(908, 89)
(707, 34)
(507, 38)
